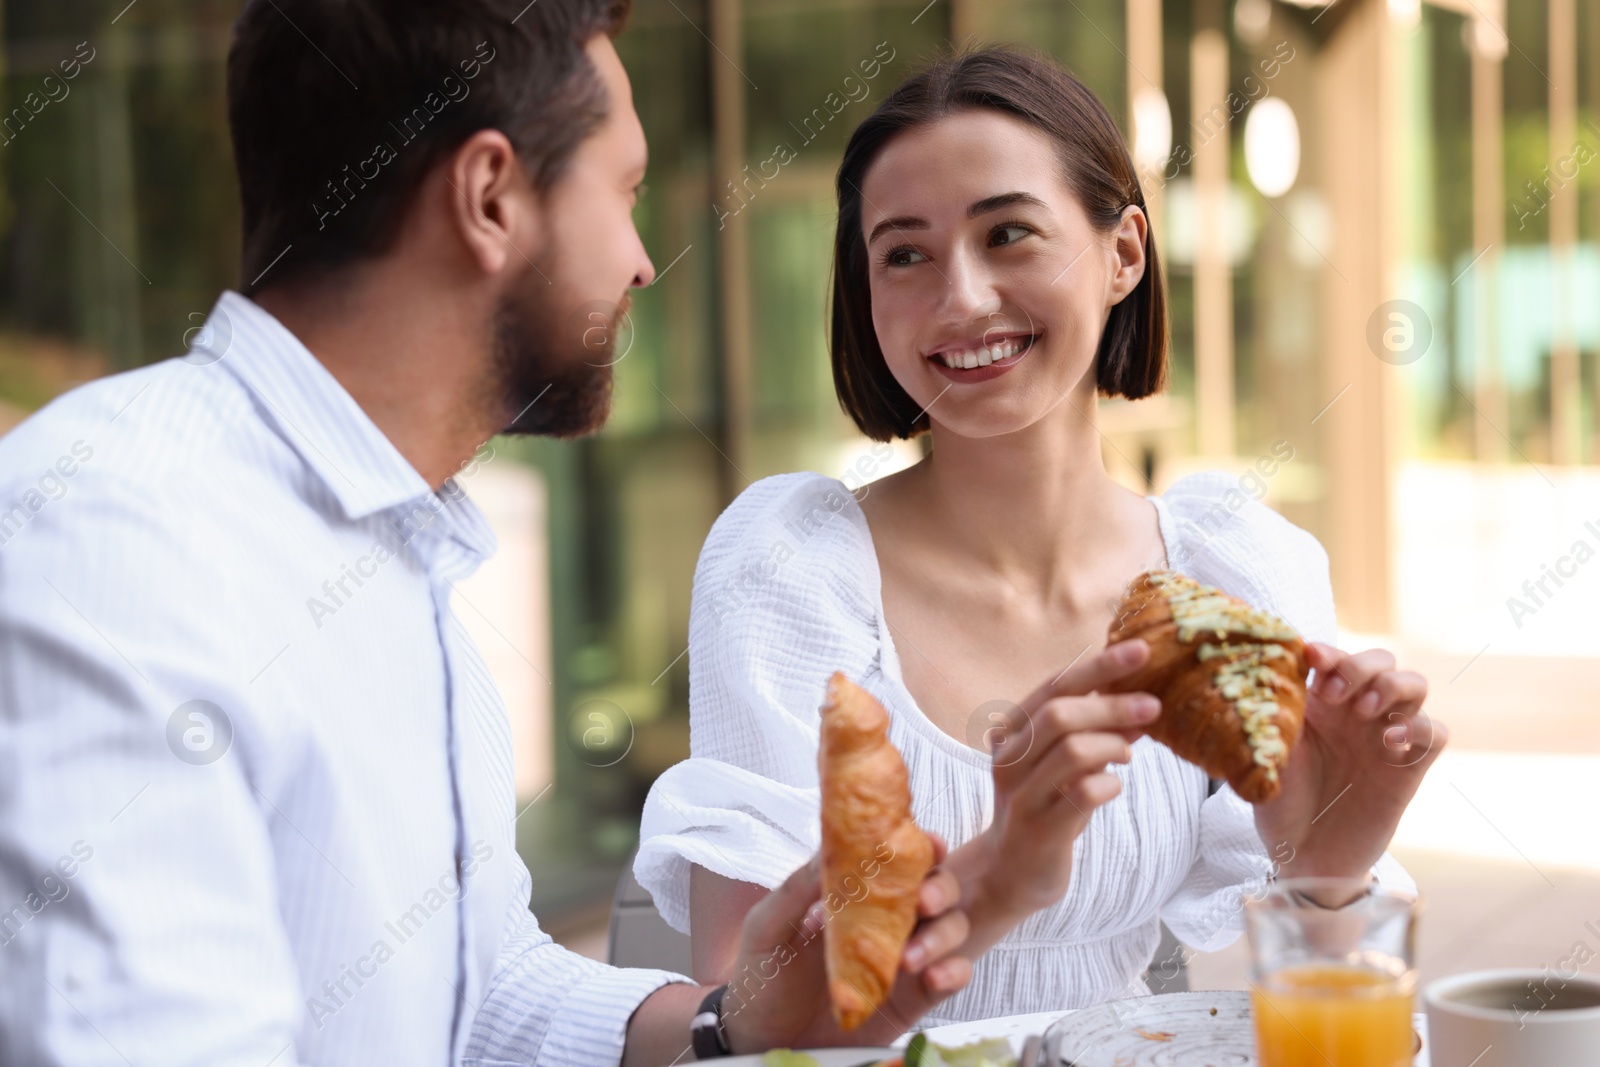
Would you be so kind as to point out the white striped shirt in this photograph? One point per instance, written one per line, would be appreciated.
(256, 795)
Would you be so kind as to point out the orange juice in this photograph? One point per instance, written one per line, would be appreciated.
(1330, 1015)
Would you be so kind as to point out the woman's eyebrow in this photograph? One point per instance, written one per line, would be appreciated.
(995, 203)
(899, 222)
(979, 207)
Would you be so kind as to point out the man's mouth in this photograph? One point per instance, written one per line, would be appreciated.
(1005, 350)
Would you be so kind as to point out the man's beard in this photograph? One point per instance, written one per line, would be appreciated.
(552, 375)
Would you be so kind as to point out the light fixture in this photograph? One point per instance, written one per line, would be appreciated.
(1251, 20)
(1407, 14)
(1483, 37)
(1152, 128)
(1272, 147)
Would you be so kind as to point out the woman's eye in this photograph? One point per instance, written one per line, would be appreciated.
(1008, 235)
(902, 257)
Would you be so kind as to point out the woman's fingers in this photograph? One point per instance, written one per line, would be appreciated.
(1349, 674)
(1390, 691)
(947, 977)
(1111, 663)
(939, 892)
(1428, 733)
(1414, 741)
(1073, 758)
(1091, 791)
(1028, 742)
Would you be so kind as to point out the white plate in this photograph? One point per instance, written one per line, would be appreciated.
(825, 1057)
(1167, 1030)
(1172, 1028)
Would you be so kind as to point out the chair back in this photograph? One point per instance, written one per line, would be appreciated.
(640, 937)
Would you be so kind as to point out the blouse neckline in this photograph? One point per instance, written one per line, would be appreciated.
(889, 656)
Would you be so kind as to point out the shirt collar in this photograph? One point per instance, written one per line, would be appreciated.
(322, 422)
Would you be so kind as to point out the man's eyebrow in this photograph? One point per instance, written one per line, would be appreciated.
(980, 207)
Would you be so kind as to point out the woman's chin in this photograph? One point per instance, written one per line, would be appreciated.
(989, 421)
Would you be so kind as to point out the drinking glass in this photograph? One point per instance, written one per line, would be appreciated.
(1332, 973)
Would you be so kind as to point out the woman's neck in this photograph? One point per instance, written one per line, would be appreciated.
(1036, 506)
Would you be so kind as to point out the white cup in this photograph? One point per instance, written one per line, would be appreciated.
(1514, 1019)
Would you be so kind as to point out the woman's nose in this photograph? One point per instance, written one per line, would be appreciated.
(968, 290)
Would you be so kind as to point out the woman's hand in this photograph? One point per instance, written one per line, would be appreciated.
(778, 990)
(1050, 772)
(1366, 745)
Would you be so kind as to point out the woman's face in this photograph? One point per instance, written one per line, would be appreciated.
(990, 288)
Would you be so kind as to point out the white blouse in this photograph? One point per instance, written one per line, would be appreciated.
(787, 591)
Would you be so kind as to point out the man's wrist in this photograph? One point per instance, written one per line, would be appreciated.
(708, 1034)
(736, 1026)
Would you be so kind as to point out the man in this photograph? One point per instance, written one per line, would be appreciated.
(256, 802)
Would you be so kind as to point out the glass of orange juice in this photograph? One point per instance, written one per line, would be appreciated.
(1332, 973)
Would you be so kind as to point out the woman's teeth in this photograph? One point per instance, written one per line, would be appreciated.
(983, 355)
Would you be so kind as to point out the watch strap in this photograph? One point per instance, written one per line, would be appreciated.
(706, 1034)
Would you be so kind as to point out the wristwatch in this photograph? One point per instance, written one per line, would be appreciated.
(705, 1029)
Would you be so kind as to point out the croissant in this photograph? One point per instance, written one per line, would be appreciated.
(1231, 679)
(874, 856)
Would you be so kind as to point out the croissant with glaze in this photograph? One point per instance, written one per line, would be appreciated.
(1231, 678)
(874, 856)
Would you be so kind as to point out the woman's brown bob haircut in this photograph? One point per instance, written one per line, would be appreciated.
(1132, 358)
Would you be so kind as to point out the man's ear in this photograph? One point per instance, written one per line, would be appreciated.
(1129, 244)
(493, 206)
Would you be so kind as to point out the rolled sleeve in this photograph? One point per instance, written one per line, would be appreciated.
(527, 1020)
(784, 595)
(729, 820)
(549, 1006)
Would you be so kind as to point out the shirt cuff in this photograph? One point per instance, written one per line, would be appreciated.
(591, 1024)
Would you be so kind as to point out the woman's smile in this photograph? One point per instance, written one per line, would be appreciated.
(982, 359)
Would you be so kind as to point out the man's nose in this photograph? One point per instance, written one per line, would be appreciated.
(646, 271)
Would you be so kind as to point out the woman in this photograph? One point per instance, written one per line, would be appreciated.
(993, 270)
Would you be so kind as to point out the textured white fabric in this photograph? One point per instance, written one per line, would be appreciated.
(787, 591)
(234, 529)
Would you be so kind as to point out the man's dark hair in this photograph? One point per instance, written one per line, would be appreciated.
(1132, 358)
(338, 108)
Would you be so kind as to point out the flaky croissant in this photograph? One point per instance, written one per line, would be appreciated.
(1231, 679)
(874, 856)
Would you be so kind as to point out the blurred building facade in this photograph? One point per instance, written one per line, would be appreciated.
(1381, 228)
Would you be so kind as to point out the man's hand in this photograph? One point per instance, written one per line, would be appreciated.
(778, 992)
(1358, 763)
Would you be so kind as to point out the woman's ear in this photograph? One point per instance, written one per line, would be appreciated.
(1128, 242)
